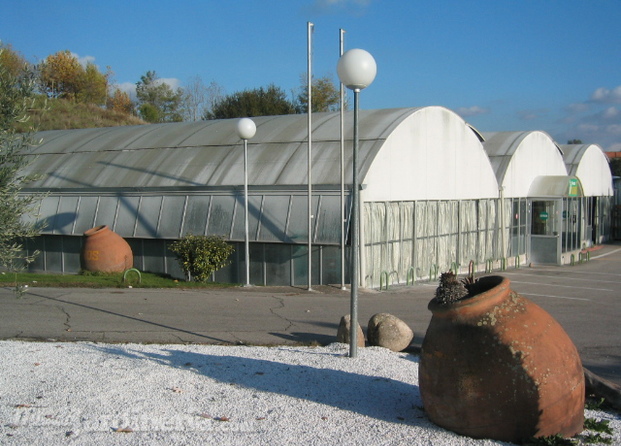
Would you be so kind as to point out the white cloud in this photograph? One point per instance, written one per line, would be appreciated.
(344, 3)
(603, 128)
(579, 107)
(614, 129)
(172, 82)
(610, 113)
(604, 95)
(531, 115)
(588, 128)
(84, 60)
(475, 110)
(594, 120)
(355, 7)
(127, 87)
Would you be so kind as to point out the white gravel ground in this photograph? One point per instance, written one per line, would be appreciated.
(108, 394)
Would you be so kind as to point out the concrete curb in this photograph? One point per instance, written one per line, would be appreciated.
(602, 388)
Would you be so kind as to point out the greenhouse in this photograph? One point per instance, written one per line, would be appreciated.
(552, 204)
(430, 195)
(590, 164)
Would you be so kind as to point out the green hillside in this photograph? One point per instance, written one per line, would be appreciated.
(61, 114)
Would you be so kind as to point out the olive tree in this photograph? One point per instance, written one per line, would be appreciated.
(16, 97)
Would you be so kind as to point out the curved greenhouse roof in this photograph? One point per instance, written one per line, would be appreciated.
(401, 153)
(520, 157)
(589, 163)
(167, 180)
(433, 154)
(207, 153)
(412, 153)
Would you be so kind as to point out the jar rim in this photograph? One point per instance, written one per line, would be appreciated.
(95, 230)
(480, 291)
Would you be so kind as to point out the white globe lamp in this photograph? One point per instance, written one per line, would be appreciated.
(356, 69)
(246, 128)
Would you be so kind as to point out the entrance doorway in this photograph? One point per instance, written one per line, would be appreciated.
(545, 242)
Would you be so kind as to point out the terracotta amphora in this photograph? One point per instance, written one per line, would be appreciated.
(105, 251)
(496, 365)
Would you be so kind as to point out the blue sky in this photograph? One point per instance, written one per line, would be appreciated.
(551, 65)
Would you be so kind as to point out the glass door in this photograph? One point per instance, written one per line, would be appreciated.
(545, 243)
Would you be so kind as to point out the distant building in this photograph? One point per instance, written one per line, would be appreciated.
(616, 211)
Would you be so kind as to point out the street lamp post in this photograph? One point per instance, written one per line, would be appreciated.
(356, 69)
(246, 129)
(342, 164)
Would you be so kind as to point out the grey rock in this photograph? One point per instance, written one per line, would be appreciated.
(342, 335)
(386, 330)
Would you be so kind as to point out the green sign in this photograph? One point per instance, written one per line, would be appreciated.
(543, 216)
(574, 190)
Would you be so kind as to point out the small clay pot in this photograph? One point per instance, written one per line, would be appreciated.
(105, 251)
(496, 365)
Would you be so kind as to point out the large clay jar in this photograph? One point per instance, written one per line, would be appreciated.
(496, 365)
(105, 251)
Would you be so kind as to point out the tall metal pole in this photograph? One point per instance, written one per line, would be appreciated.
(309, 77)
(246, 239)
(356, 69)
(246, 129)
(342, 110)
(355, 242)
(503, 250)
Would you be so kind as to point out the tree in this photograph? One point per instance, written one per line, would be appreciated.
(150, 113)
(61, 75)
(120, 101)
(16, 97)
(268, 101)
(325, 95)
(157, 101)
(93, 86)
(198, 99)
(199, 255)
(12, 61)
(574, 141)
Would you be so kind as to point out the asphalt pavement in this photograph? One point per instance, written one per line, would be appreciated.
(585, 299)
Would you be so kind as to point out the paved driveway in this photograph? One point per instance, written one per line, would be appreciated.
(585, 299)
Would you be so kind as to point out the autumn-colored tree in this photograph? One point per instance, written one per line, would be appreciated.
(120, 101)
(13, 62)
(325, 95)
(157, 101)
(61, 75)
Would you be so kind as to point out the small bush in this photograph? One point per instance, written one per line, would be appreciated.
(199, 256)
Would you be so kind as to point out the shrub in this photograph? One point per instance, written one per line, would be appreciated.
(199, 256)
